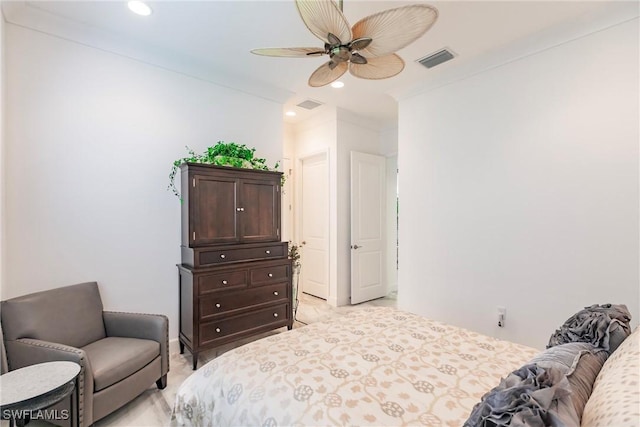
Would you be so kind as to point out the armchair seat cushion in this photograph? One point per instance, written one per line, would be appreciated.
(114, 359)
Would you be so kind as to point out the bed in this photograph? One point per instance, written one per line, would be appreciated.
(377, 366)
(380, 366)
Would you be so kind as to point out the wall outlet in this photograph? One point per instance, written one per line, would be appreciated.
(502, 315)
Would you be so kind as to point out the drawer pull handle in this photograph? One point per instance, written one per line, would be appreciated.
(217, 305)
(237, 209)
(223, 256)
(267, 252)
(218, 330)
(224, 282)
(276, 293)
(270, 274)
(275, 314)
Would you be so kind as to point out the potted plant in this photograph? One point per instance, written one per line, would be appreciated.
(294, 256)
(221, 154)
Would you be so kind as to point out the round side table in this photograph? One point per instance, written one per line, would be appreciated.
(27, 390)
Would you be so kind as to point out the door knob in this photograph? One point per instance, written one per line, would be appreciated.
(355, 246)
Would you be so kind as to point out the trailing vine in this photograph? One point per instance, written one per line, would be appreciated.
(294, 254)
(221, 154)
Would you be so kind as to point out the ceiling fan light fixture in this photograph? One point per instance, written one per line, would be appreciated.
(337, 84)
(139, 8)
(367, 49)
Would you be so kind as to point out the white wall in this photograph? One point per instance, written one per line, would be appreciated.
(91, 137)
(2, 155)
(519, 188)
(389, 142)
(389, 148)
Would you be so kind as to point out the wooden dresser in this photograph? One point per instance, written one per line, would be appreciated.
(235, 276)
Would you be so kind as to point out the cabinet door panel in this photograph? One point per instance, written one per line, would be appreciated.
(260, 201)
(214, 218)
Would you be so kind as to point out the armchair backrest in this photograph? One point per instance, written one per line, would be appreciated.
(71, 315)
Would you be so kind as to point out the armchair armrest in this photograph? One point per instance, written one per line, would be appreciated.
(26, 351)
(138, 325)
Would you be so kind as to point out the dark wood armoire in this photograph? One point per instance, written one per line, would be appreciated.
(235, 275)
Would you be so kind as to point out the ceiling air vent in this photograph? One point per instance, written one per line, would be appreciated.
(309, 104)
(437, 58)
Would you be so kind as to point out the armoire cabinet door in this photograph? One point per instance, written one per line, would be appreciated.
(213, 210)
(259, 202)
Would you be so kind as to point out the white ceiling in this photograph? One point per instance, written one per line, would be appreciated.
(213, 39)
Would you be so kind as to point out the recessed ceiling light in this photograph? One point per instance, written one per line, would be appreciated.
(337, 84)
(290, 113)
(139, 7)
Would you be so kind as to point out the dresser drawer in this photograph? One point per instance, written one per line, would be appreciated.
(243, 325)
(221, 255)
(271, 274)
(225, 303)
(229, 279)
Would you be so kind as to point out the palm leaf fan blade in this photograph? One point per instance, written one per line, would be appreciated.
(327, 73)
(322, 17)
(393, 29)
(289, 52)
(377, 68)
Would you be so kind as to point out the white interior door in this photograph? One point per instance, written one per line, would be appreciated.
(368, 222)
(314, 226)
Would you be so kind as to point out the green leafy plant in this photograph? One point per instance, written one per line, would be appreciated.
(294, 254)
(221, 154)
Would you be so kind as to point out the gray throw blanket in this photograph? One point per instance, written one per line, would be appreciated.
(529, 397)
(604, 326)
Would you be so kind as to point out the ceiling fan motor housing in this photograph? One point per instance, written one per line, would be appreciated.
(340, 53)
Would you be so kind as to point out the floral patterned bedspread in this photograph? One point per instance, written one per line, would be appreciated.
(377, 366)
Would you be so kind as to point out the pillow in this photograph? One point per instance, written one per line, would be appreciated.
(615, 400)
(531, 396)
(580, 363)
(604, 326)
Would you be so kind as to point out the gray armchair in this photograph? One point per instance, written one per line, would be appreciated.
(120, 354)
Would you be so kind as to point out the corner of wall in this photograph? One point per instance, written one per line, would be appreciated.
(2, 151)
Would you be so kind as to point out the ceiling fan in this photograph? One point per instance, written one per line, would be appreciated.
(367, 49)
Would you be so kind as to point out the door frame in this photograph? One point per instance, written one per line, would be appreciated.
(298, 207)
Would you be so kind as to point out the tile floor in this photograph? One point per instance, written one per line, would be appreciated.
(153, 407)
